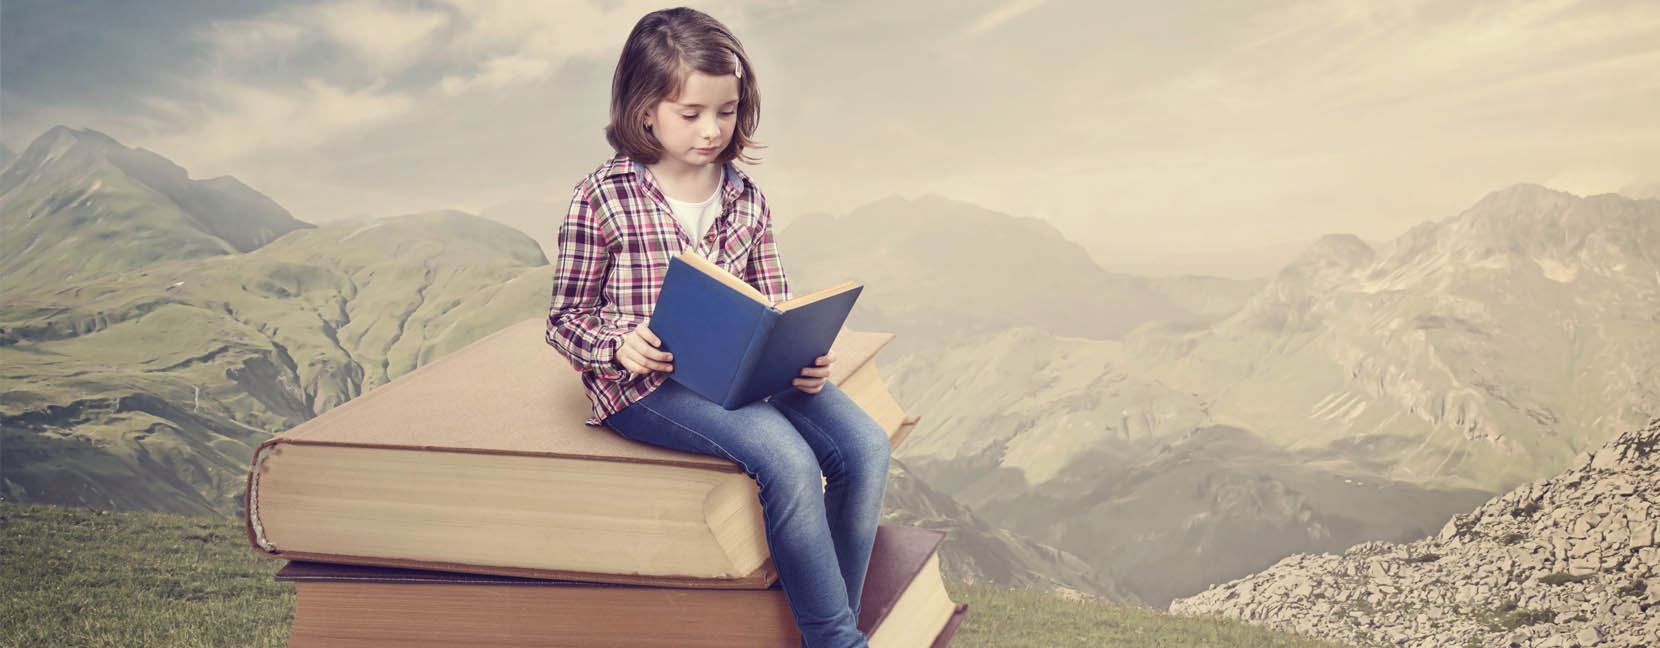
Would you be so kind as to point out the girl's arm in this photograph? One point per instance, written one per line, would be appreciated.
(765, 271)
(574, 324)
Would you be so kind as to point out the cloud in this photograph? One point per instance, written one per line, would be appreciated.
(230, 119)
(387, 38)
(996, 17)
(234, 41)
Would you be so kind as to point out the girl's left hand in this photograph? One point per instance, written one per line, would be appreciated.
(813, 377)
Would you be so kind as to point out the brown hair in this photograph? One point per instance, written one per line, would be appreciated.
(666, 47)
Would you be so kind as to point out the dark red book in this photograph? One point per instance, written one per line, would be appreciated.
(905, 605)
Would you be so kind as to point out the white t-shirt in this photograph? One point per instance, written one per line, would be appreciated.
(696, 217)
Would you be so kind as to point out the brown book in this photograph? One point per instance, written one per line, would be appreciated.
(905, 605)
(480, 462)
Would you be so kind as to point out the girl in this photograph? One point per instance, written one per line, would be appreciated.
(684, 105)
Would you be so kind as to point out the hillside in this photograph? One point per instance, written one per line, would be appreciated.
(936, 271)
(977, 552)
(149, 389)
(1569, 560)
(1480, 351)
(1128, 475)
(78, 204)
(140, 371)
(1361, 394)
(83, 577)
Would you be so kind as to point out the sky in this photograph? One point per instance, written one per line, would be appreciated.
(1173, 137)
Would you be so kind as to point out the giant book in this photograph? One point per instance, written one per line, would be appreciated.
(905, 605)
(479, 462)
(731, 344)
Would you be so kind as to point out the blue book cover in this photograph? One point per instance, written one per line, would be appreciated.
(732, 346)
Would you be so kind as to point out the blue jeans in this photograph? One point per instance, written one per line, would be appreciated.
(820, 540)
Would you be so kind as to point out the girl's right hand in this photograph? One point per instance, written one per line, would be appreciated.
(639, 354)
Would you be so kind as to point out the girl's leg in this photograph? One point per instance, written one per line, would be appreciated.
(766, 445)
(853, 449)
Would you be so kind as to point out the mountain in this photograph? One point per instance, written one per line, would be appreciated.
(1478, 352)
(1364, 393)
(1567, 561)
(975, 551)
(1641, 190)
(1051, 438)
(6, 156)
(538, 219)
(936, 271)
(78, 204)
(1211, 298)
(148, 389)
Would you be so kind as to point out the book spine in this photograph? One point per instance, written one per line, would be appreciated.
(752, 355)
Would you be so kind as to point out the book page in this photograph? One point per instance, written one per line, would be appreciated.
(720, 274)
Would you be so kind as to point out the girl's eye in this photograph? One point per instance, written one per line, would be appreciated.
(689, 116)
(729, 113)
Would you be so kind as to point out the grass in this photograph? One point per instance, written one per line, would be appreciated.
(1507, 616)
(1004, 617)
(88, 577)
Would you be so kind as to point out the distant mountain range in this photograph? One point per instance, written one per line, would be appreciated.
(1359, 394)
(1085, 430)
(937, 271)
(144, 352)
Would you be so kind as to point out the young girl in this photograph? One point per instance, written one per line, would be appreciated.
(684, 105)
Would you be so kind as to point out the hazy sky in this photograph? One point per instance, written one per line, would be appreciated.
(1166, 137)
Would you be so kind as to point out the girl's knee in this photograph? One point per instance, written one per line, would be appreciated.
(790, 464)
(869, 451)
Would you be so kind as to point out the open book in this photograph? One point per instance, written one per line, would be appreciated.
(730, 343)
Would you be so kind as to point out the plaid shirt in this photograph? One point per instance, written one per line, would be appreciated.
(614, 247)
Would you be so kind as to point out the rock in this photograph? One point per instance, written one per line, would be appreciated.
(1597, 519)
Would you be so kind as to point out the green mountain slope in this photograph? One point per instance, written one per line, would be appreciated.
(78, 204)
(149, 389)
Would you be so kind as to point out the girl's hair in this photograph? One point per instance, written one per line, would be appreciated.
(666, 47)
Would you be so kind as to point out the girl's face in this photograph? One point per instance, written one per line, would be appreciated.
(697, 125)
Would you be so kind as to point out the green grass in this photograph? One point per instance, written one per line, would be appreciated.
(1003, 617)
(89, 577)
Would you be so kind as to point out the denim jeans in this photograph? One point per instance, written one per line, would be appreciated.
(820, 540)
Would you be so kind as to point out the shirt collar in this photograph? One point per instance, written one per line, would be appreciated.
(735, 180)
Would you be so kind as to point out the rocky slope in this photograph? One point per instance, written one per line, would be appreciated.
(1567, 561)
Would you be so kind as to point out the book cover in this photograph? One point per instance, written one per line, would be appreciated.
(729, 343)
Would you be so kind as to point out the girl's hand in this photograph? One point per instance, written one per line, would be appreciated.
(639, 354)
(813, 377)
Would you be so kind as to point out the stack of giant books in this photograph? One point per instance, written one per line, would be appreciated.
(465, 503)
